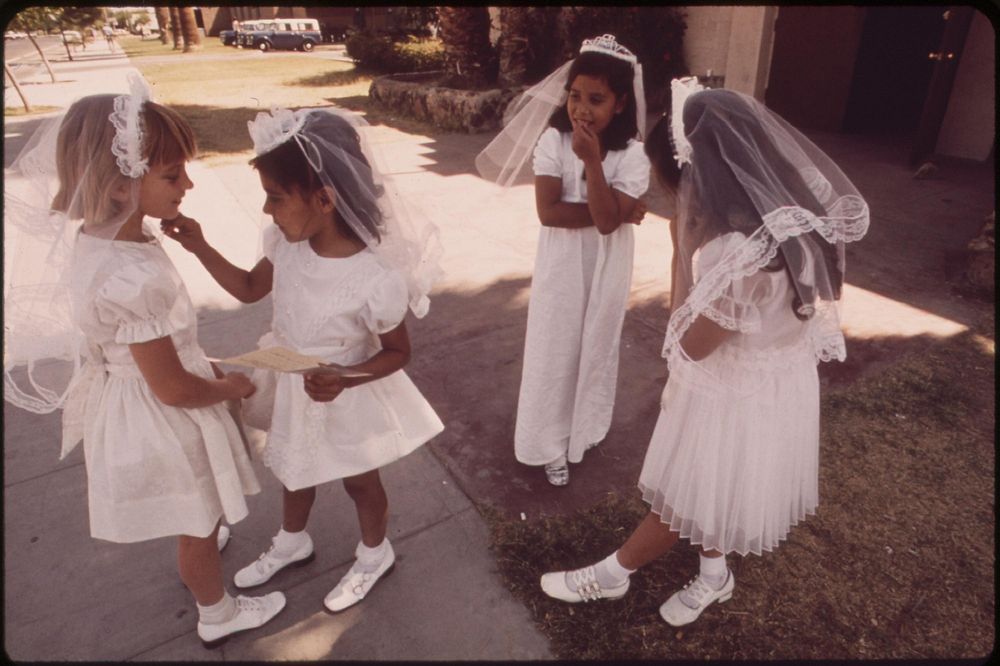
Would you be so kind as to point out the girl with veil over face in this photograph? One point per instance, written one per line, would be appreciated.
(90, 285)
(733, 462)
(344, 261)
(581, 125)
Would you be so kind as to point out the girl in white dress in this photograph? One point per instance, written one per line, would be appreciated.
(589, 174)
(763, 216)
(163, 455)
(343, 273)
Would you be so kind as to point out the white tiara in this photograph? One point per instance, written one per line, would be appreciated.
(127, 119)
(269, 131)
(608, 45)
(680, 90)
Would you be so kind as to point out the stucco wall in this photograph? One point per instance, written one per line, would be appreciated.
(969, 128)
(734, 42)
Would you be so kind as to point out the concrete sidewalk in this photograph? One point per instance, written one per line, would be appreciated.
(70, 597)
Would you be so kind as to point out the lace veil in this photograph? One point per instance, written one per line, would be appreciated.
(528, 116)
(338, 148)
(80, 171)
(746, 170)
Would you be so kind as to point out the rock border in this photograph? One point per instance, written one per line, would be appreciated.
(415, 95)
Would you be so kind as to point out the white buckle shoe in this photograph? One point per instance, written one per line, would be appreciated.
(356, 584)
(269, 563)
(560, 584)
(557, 472)
(251, 612)
(686, 604)
(222, 539)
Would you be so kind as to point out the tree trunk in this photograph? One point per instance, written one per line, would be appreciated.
(163, 19)
(515, 22)
(62, 35)
(175, 26)
(465, 36)
(189, 29)
(45, 60)
(10, 75)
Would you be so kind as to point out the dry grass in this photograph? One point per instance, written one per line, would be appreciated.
(136, 47)
(898, 562)
(219, 96)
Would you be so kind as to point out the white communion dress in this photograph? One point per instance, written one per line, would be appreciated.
(733, 462)
(336, 308)
(579, 290)
(152, 470)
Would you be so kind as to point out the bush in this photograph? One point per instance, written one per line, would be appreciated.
(378, 52)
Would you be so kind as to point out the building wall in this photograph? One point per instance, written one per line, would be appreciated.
(733, 42)
(968, 129)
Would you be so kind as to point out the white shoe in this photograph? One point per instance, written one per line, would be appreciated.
(223, 537)
(251, 612)
(685, 605)
(356, 584)
(269, 563)
(560, 584)
(557, 471)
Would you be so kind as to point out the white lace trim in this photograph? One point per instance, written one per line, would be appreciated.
(847, 222)
(127, 119)
(680, 90)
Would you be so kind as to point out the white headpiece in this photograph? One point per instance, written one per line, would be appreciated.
(680, 90)
(608, 45)
(336, 146)
(528, 115)
(127, 119)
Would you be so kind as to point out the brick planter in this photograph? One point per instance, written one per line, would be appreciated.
(417, 95)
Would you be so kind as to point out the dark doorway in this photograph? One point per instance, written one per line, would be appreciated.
(893, 70)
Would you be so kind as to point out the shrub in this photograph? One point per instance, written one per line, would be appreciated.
(378, 52)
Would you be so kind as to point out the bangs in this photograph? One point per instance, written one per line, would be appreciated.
(169, 137)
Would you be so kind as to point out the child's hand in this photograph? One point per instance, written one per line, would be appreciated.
(639, 212)
(185, 231)
(585, 143)
(324, 387)
(242, 385)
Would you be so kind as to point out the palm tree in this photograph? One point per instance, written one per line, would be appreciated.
(175, 26)
(163, 20)
(465, 36)
(189, 29)
(515, 25)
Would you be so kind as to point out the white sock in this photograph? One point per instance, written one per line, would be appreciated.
(610, 572)
(712, 570)
(287, 543)
(369, 559)
(221, 611)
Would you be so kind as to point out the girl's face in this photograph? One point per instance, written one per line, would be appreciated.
(162, 189)
(592, 103)
(299, 218)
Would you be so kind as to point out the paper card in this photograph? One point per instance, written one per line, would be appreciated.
(281, 359)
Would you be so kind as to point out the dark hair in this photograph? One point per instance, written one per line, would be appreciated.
(288, 166)
(618, 75)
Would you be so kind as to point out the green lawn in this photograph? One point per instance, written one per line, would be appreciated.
(136, 47)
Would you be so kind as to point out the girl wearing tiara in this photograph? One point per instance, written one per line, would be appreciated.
(163, 455)
(762, 219)
(344, 264)
(590, 171)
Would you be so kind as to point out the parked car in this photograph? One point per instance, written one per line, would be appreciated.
(72, 37)
(297, 34)
(14, 34)
(227, 37)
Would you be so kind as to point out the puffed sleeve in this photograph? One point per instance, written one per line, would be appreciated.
(737, 306)
(386, 304)
(138, 301)
(548, 160)
(269, 241)
(631, 177)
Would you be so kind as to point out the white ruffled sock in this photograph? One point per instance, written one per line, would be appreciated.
(610, 572)
(221, 611)
(287, 543)
(369, 559)
(712, 570)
